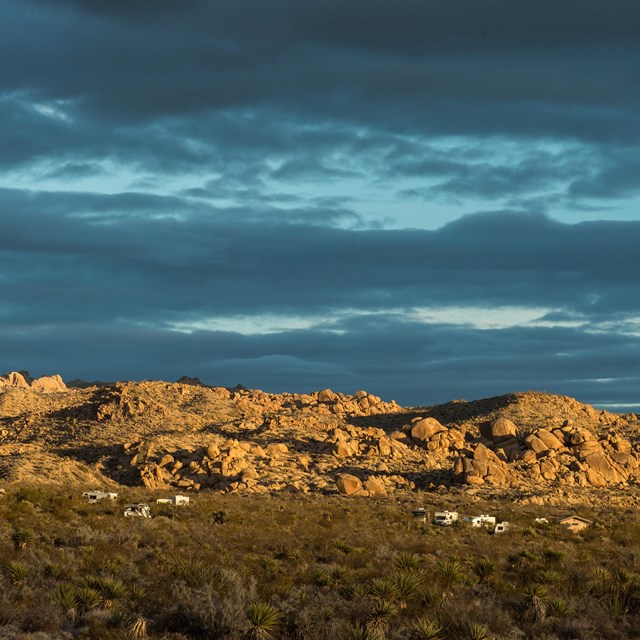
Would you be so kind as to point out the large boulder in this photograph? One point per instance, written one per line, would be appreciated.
(581, 436)
(422, 430)
(481, 453)
(213, 451)
(550, 441)
(375, 487)
(327, 396)
(536, 444)
(49, 384)
(14, 379)
(348, 484)
(503, 429)
(599, 463)
(482, 466)
(344, 449)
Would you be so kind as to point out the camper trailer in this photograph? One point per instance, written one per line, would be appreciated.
(445, 518)
(174, 500)
(502, 527)
(96, 496)
(480, 521)
(139, 510)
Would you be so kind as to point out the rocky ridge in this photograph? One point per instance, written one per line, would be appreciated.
(191, 437)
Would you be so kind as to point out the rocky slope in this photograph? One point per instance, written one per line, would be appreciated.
(189, 437)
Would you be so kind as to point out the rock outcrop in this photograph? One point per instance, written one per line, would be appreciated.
(192, 437)
(22, 380)
(49, 384)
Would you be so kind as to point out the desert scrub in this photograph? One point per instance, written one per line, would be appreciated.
(367, 562)
(22, 538)
(263, 620)
(17, 571)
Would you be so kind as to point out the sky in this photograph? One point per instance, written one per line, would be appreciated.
(426, 200)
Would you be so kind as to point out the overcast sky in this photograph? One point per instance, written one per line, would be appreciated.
(427, 200)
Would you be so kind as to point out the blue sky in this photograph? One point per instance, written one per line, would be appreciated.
(427, 200)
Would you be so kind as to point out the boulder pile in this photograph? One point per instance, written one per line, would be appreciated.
(22, 380)
(188, 436)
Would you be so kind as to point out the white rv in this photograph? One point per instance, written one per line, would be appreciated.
(174, 500)
(139, 510)
(96, 496)
(480, 521)
(502, 527)
(445, 518)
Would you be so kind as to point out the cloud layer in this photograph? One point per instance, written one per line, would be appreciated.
(297, 194)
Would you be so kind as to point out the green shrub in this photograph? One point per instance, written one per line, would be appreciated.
(263, 621)
(17, 571)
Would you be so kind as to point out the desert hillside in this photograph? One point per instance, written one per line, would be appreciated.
(192, 437)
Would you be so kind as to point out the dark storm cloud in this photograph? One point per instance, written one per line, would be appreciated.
(430, 363)
(159, 259)
(439, 67)
(203, 86)
(233, 121)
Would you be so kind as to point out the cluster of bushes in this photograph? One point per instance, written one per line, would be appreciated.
(308, 567)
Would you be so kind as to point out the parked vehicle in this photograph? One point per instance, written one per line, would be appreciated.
(139, 510)
(96, 496)
(176, 500)
(480, 521)
(502, 527)
(445, 518)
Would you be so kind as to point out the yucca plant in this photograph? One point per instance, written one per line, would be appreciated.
(327, 614)
(406, 561)
(426, 628)
(548, 576)
(360, 632)
(616, 590)
(619, 597)
(408, 585)
(484, 569)
(17, 571)
(476, 631)
(450, 572)
(383, 588)
(271, 566)
(263, 620)
(193, 571)
(379, 616)
(359, 590)
(22, 538)
(110, 590)
(558, 608)
(599, 580)
(137, 591)
(137, 629)
(87, 598)
(431, 596)
(338, 574)
(536, 598)
(64, 595)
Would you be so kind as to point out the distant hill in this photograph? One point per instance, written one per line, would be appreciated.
(192, 437)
